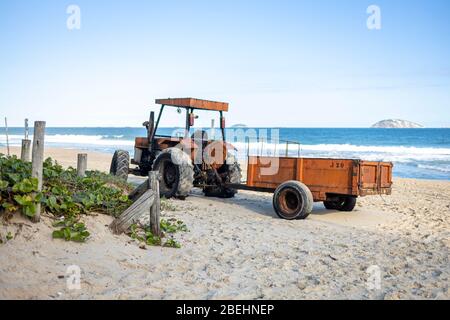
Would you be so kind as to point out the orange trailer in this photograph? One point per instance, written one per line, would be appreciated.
(298, 182)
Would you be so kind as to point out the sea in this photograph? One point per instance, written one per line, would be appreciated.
(416, 153)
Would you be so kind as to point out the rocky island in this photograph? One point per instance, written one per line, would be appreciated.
(239, 125)
(396, 123)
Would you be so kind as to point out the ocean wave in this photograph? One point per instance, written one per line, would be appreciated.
(64, 139)
(399, 154)
(380, 149)
(113, 137)
(444, 169)
(347, 148)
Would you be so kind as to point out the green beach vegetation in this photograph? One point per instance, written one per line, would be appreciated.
(66, 197)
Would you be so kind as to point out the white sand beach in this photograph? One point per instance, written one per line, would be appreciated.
(239, 249)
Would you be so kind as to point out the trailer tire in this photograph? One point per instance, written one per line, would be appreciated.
(330, 205)
(120, 164)
(293, 200)
(176, 173)
(348, 204)
(345, 203)
(234, 177)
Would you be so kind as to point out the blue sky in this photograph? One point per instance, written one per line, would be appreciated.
(278, 63)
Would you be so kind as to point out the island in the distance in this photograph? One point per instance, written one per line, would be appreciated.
(396, 123)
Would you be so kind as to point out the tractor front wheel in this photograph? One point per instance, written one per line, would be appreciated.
(120, 164)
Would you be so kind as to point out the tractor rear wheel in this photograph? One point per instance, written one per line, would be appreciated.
(176, 173)
(233, 176)
(120, 164)
(293, 200)
(344, 203)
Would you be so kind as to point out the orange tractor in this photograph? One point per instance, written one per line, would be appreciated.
(184, 161)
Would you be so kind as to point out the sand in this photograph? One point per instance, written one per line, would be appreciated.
(68, 157)
(238, 249)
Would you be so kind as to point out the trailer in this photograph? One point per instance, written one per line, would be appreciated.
(299, 182)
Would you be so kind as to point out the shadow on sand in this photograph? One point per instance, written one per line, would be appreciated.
(260, 203)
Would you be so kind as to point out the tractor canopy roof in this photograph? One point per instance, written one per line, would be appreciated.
(194, 104)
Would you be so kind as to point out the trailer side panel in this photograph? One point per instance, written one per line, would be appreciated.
(329, 176)
(324, 177)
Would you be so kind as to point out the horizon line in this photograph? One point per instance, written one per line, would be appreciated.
(231, 127)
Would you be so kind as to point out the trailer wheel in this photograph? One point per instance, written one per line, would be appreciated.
(120, 164)
(330, 205)
(293, 200)
(177, 173)
(344, 203)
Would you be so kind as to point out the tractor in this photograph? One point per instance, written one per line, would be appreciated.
(186, 159)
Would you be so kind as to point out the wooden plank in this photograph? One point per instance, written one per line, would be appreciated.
(139, 191)
(37, 160)
(133, 213)
(155, 209)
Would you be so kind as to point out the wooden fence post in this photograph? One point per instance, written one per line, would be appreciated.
(26, 129)
(25, 151)
(155, 209)
(38, 160)
(82, 165)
